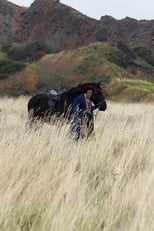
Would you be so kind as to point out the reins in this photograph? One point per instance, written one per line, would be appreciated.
(96, 113)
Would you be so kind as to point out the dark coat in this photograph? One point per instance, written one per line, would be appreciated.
(79, 104)
(79, 112)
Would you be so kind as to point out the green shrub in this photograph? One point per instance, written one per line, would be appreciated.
(6, 47)
(27, 52)
(146, 54)
(18, 53)
(8, 66)
(142, 51)
(132, 70)
(119, 58)
(150, 59)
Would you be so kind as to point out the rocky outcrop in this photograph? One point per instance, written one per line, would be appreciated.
(59, 25)
(128, 31)
(144, 66)
(62, 27)
(9, 20)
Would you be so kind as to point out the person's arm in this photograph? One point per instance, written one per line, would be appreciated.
(98, 105)
(95, 106)
(77, 106)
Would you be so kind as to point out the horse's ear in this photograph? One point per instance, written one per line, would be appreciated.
(79, 85)
(99, 83)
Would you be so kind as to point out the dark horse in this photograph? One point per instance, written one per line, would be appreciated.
(39, 105)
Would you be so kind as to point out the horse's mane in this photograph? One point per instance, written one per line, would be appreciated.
(80, 87)
(73, 92)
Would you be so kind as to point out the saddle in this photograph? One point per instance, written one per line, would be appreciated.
(52, 100)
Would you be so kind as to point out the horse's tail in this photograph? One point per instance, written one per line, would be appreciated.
(34, 106)
(34, 102)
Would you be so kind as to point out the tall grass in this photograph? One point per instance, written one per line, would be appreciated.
(50, 183)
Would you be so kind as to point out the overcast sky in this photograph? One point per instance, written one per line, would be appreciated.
(138, 9)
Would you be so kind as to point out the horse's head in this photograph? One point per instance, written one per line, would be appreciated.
(98, 96)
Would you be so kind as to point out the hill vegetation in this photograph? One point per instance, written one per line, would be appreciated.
(124, 72)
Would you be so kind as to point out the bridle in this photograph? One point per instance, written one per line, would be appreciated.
(94, 93)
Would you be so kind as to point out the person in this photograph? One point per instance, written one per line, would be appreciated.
(82, 117)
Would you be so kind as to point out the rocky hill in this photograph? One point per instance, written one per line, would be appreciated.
(62, 27)
(10, 19)
(128, 31)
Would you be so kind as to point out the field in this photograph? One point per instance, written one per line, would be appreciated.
(50, 183)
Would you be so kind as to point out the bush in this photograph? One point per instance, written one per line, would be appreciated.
(150, 59)
(142, 51)
(132, 70)
(6, 47)
(8, 66)
(27, 52)
(119, 58)
(146, 54)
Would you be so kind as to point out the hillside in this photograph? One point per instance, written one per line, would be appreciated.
(121, 78)
(63, 27)
(10, 18)
(128, 31)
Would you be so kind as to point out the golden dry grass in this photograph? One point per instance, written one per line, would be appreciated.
(50, 183)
